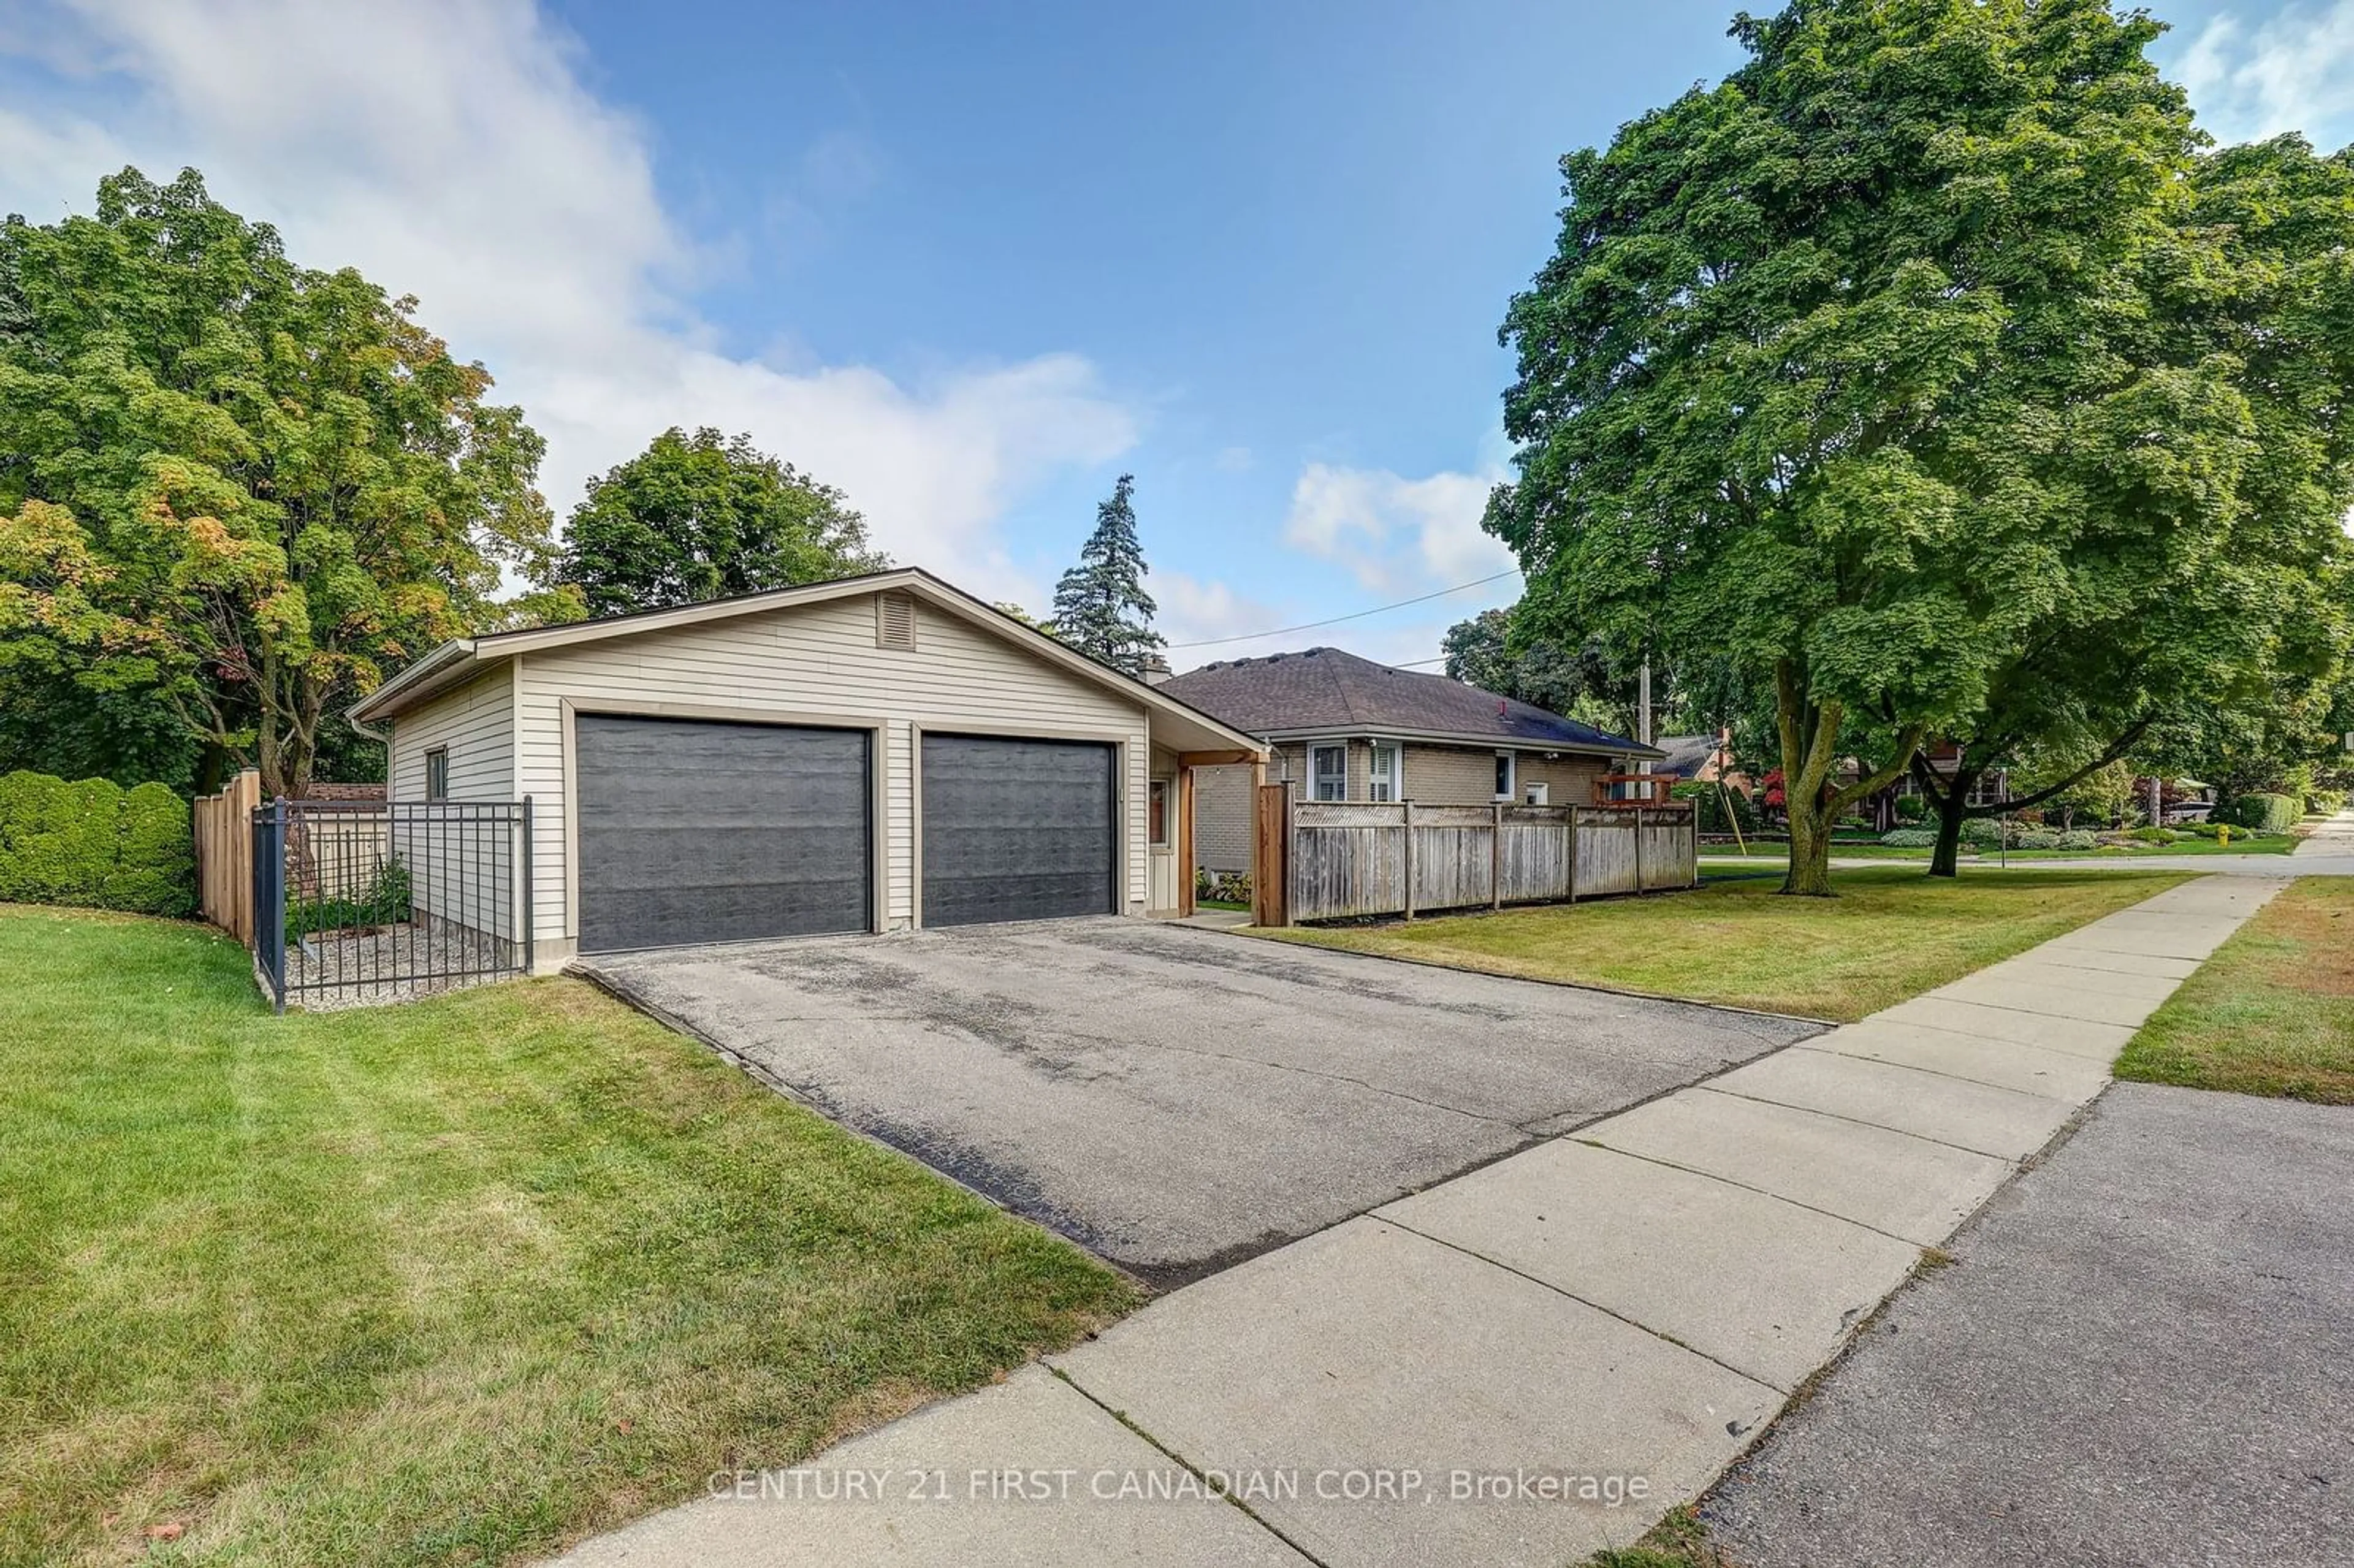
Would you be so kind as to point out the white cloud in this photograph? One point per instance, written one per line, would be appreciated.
(1395, 535)
(2294, 72)
(448, 150)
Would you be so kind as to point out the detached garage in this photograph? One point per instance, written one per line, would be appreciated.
(869, 755)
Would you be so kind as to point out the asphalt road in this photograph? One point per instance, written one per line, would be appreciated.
(1178, 1099)
(2141, 1357)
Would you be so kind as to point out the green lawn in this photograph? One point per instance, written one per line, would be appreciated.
(455, 1282)
(1891, 934)
(2272, 1012)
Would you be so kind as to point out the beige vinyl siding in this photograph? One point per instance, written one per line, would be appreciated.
(460, 872)
(476, 722)
(1162, 859)
(813, 663)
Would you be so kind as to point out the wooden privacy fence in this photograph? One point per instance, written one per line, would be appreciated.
(223, 827)
(1320, 860)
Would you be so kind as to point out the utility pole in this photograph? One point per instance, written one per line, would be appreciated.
(1643, 715)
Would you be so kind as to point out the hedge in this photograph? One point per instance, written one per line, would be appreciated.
(2267, 813)
(94, 843)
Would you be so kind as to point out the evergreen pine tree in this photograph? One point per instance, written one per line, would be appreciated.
(1100, 605)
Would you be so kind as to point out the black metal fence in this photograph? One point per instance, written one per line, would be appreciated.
(364, 901)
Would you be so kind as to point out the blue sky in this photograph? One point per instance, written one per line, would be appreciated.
(971, 262)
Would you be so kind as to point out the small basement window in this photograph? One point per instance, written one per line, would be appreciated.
(1506, 777)
(1328, 772)
(1156, 813)
(895, 621)
(437, 773)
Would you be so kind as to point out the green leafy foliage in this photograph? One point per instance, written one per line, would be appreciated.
(1709, 802)
(238, 492)
(2267, 813)
(704, 516)
(1909, 837)
(1100, 605)
(389, 900)
(94, 843)
(1928, 333)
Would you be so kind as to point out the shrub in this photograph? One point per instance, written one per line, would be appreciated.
(1222, 887)
(387, 902)
(1909, 838)
(1982, 830)
(1910, 807)
(2079, 839)
(95, 845)
(2328, 802)
(2267, 813)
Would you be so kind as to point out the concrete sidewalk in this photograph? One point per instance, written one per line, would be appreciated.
(1524, 1364)
(2333, 841)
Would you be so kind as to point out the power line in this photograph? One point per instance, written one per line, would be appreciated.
(1354, 615)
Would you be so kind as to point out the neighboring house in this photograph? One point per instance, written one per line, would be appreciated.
(867, 755)
(1345, 728)
(1703, 760)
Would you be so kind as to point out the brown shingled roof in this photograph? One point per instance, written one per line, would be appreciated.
(1324, 690)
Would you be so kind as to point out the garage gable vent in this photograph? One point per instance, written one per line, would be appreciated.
(895, 621)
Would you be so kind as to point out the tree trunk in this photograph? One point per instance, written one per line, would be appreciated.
(1809, 875)
(1945, 860)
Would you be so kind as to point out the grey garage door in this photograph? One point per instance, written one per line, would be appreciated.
(693, 832)
(1016, 830)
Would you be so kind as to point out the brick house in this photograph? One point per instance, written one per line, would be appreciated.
(1339, 727)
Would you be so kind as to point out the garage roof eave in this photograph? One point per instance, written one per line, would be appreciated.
(415, 683)
(1174, 723)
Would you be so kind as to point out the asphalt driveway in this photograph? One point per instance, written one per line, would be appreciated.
(2139, 1357)
(1177, 1099)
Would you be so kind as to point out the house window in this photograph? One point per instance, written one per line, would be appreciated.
(1384, 778)
(437, 773)
(1506, 777)
(1156, 813)
(1328, 772)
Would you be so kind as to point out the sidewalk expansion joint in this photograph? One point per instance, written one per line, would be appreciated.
(1196, 1471)
(1777, 1197)
(1742, 1373)
(1875, 1126)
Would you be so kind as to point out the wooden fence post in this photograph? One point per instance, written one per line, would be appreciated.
(1409, 859)
(1496, 859)
(1572, 853)
(1271, 857)
(1639, 850)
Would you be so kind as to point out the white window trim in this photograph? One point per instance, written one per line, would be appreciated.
(1512, 790)
(1395, 782)
(441, 752)
(1316, 777)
